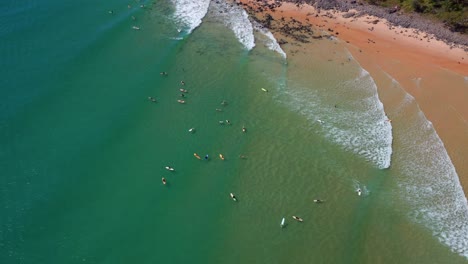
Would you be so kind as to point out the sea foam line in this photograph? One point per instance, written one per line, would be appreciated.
(236, 19)
(189, 13)
(428, 180)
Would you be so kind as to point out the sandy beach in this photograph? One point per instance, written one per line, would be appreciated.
(433, 72)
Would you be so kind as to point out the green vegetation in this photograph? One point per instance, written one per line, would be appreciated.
(454, 13)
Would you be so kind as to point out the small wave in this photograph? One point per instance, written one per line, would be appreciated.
(428, 180)
(236, 19)
(270, 42)
(189, 13)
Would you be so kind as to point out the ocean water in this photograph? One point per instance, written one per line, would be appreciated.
(83, 150)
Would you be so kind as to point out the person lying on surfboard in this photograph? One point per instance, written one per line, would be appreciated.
(233, 197)
(297, 218)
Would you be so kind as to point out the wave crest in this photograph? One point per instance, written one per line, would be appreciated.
(236, 19)
(189, 13)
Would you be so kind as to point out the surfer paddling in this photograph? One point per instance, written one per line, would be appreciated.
(297, 218)
(233, 197)
(164, 180)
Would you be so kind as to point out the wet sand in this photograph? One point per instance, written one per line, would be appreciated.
(433, 72)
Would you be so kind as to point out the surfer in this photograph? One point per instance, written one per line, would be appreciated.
(318, 201)
(206, 157)
(164, 180)
(224, 102)
(163, 73)
(228, 122)
(219, 110)
(297, 218)
(359, 192)
(244, 129)
(233, 197)
(182, 82)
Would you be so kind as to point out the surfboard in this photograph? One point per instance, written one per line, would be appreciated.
(233, 197)
(196, 156)
(283, 222)
(265, 90)
(297, 218)
(221, 156)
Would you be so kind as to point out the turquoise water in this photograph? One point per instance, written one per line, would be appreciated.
(84, 150)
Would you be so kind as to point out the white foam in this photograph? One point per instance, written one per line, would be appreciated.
(236, 19)
(361, 128)
(189, 13)
(429, 182)
(270, 42)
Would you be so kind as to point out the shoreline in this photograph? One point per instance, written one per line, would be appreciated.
(424, 67)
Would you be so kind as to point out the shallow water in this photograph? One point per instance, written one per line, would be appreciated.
(84, 150)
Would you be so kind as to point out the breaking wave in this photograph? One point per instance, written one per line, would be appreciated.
(428, 181)
(236, 19)
(361, 127)
(270, 41)
(189, 13)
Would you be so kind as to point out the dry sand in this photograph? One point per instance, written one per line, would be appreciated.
(433, 72)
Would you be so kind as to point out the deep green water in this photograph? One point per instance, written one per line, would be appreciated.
(83, 150)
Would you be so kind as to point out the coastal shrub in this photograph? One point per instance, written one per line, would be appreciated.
(422, 6)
